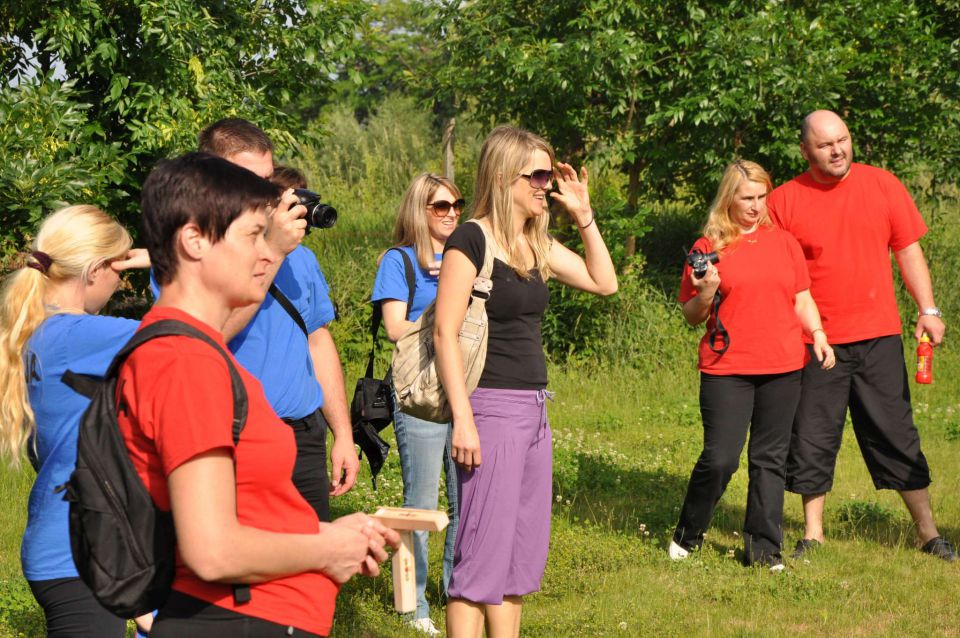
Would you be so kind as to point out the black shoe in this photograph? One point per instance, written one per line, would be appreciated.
(803, 546)
(939, 547)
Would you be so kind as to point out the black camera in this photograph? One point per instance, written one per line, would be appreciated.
(319, 215)
(699, 261)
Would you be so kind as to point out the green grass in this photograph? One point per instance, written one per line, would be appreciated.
(621, 468)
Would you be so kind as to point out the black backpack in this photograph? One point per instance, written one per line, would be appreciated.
(123, 545)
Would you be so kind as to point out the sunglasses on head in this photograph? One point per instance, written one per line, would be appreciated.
(441, 208)
(539, 178)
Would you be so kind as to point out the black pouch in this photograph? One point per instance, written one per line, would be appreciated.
(370, 412)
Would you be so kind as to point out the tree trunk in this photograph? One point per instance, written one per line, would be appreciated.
(448, 148)
(633, 195)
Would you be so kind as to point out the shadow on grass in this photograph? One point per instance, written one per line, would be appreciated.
(630, 501)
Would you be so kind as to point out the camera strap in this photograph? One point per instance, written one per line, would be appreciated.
(281, 298)
(718, 332)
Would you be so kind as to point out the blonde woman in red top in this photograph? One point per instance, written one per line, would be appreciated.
(757, 305)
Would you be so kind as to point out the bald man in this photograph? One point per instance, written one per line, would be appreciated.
(848, 218)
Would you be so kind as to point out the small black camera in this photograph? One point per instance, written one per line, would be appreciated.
(319, 215)
(699, 261)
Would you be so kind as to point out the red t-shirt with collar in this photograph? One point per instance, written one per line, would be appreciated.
(847, 231)
(179, 404)
(760, 276)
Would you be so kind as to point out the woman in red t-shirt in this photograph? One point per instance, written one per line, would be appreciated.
(238, 517)
(757, 305)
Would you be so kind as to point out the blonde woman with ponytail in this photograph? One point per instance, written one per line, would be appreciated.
(501, 440)
(49, 323)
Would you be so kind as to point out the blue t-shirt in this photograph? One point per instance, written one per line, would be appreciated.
(273, 348)
(85, 344)
(391, 281)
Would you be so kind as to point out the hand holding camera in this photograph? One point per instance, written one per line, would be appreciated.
(286, 224)
(704, 275)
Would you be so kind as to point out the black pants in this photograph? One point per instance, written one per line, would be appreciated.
(871, 378)
(184, 616)
(72, 611)
(728, 404)
(310, 471)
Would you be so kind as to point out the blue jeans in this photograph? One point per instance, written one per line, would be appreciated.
(424, 448)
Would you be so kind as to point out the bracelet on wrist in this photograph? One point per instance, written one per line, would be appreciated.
(816, 330)
(593, 216)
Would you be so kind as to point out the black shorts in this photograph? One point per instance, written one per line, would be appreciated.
(871, 379)
(310, 472)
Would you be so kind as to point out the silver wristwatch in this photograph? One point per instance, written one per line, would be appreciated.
(933, 311)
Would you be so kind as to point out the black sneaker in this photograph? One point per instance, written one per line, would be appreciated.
(939, 547)
(803, 546)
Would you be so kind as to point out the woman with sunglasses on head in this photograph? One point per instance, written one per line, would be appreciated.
(427, 216)
(501, 439)
(757, 305)
(48, 324)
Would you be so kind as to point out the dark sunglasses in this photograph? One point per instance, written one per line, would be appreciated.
(442, 208)
(539, 178)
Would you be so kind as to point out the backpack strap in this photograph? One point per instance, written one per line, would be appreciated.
(282, 299)
(377, 317)
(83, 384)
(171, 328)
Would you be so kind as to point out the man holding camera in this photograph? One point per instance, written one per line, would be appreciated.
(848, 217)
(287, 345)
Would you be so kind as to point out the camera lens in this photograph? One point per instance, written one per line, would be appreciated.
(321, 216)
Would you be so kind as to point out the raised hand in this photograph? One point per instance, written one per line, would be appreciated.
(573, 193)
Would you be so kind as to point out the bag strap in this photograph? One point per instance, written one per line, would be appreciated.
(376, 318)
(484, 281)
(282, 299)
(171, 328)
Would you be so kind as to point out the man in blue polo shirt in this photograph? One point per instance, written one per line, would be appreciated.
(287, 345)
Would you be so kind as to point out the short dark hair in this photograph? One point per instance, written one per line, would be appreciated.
(288, 177)
(200, 188)
(233, 135)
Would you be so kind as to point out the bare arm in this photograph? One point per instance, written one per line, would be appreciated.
(809, 316)
(594, 272)
(326, 366)
(218, 548)
(453, 296)
(394, 318)
(916, 276)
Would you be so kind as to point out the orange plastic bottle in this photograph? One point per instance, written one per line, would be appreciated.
(924, 360)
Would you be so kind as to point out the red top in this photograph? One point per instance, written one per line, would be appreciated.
(760, 276)
(177, 390)
(847, 231)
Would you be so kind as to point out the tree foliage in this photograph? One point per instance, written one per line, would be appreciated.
(674, 89)
(146, 75)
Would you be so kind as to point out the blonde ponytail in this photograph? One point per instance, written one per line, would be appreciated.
(70, 244)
